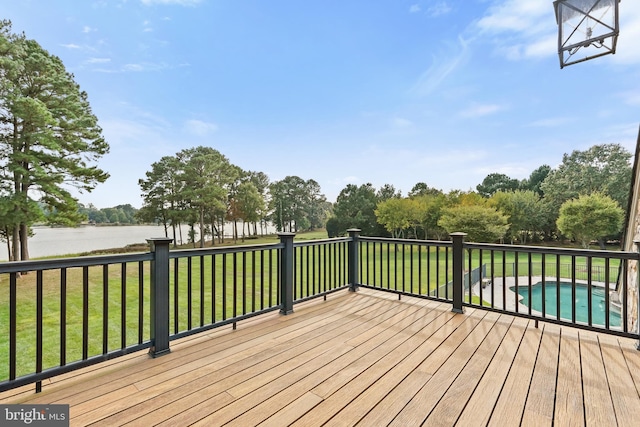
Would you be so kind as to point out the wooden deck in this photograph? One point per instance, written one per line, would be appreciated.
(364, 359)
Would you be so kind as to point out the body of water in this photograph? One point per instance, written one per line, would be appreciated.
(47, 241)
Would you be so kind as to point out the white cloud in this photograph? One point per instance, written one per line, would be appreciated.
(440, 8)
(631, 97)
(440, 69)
(133, 67)
(551, 122)
(200, 128)
(415, 8)
(481, 110)
(401, 122)
(523, 16)
(98, 60)
(71, 46)
(628, 49)
(144, 66)
(87, 29)
(521, 29)
(177, 2)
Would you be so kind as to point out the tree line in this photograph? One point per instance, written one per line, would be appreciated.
(120, 214)
(583, 199)
(202, 188)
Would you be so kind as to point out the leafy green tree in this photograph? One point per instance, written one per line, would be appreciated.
(591, 217)
(429, 210)
(318, 208)
(333, 227)
(49, 138)
(297, 204)
(355, 208)
(395, 215)
(286, 200)
(602, 169)
(247, 204)
(261, 181)
(465, 198)
(208, 176)
(481, 223)
(386, 192)
(422, 189)
(161, 194)
(524, 211)
(535, 180)
(97, 216)
(495, 182)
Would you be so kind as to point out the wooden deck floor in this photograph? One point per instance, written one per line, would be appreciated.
(364, 359)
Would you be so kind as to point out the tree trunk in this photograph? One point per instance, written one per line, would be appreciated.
(235, 231)
(175, 240)
(15, 249)
(9, 253)
(202, 227)
(24, 242)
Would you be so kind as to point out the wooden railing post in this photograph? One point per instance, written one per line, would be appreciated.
(286, 273)
(159, 296)
(458, 271)
(354, 245)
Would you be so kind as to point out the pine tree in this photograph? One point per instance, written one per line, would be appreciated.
(49, 139)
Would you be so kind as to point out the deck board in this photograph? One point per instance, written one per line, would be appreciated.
(364, 359)
(569, 410)
(479, 407)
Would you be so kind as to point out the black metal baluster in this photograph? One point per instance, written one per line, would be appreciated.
(224, 286)
(85, 313)
(201, 290)
(213, 288)
(123, 305)
(558, 281)
(140, 302)
(13, 318)
(590, 290)
(105, 308)
(63, 316)
(176, 297)
(573, 289)
(189, 292)
(606, 293)
(39, 325)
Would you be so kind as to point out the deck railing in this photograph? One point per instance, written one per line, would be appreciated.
(60, 315)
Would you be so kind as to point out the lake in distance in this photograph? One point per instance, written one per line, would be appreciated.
(48, 241)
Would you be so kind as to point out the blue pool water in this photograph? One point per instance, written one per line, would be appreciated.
(566, 306)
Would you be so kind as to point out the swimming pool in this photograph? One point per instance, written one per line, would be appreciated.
(566, 306)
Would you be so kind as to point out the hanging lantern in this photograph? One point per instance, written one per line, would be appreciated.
(587, 29)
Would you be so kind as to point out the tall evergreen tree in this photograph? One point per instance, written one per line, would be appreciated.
(49, 138)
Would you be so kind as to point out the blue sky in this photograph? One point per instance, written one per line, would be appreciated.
(342, 92)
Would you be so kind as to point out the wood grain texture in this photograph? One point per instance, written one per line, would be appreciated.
(363, 359)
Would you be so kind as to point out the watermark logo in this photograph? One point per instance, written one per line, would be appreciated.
(35, 415)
